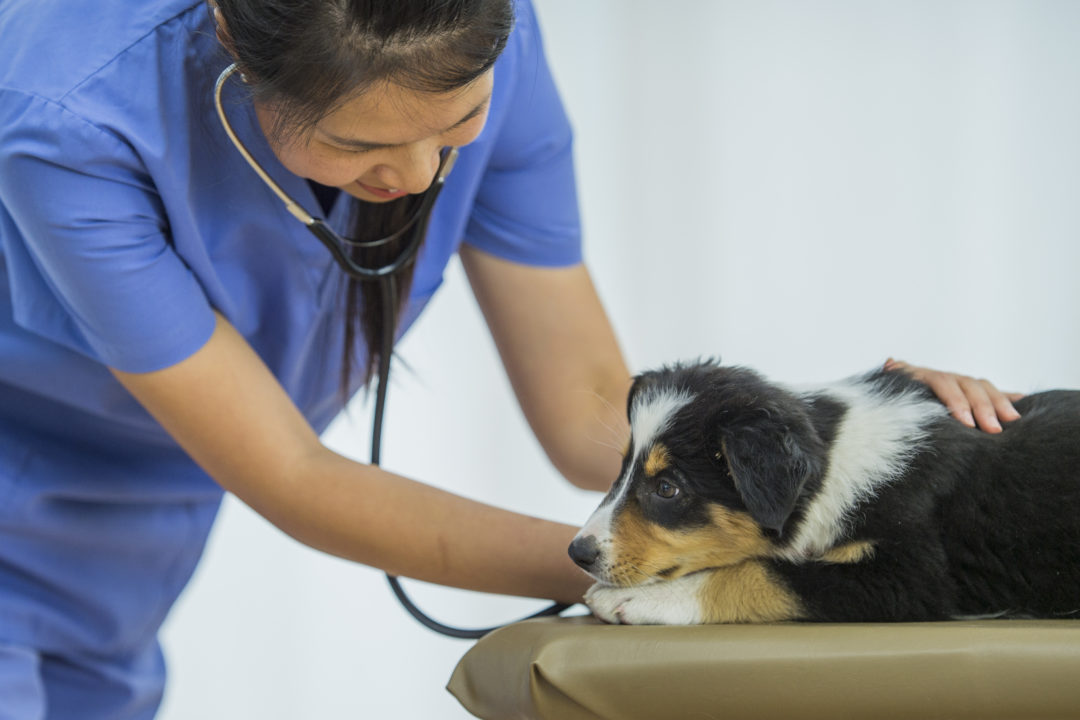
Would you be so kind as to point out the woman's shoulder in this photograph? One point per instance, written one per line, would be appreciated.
(54, 47)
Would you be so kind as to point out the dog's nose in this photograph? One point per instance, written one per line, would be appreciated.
(584, 551)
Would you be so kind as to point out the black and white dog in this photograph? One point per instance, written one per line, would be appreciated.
(744, 501)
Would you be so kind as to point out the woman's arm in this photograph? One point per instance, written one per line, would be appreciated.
(563, 361)
(225, 408)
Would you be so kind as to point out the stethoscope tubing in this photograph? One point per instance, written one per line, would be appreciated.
(387, 287)
(385, 276)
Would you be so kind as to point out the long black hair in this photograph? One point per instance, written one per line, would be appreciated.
(307, 57)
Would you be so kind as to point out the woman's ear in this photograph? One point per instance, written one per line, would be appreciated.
(221, 29)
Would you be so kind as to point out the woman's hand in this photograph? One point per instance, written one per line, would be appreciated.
(969, 400)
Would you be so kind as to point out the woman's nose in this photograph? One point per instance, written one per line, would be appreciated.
(413, 172)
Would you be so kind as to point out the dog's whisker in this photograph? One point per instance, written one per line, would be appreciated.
(620, 436)
(651, 571)
(602, 399)
(601, 443)
(622, 439)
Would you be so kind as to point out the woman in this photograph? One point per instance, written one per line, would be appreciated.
(168, 331)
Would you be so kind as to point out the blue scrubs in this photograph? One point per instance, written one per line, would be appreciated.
(126, 218)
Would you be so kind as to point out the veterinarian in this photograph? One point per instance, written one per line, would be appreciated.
(168, 331)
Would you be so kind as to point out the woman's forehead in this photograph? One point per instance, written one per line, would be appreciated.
(389, 114)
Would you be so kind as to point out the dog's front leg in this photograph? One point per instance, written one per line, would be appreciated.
(743, 593)
(674, 602)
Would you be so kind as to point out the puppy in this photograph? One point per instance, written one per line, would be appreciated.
(743, 501)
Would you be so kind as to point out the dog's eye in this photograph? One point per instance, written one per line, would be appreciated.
(666, 490)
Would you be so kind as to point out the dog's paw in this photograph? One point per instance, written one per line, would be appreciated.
(663, 603)
(606, 601)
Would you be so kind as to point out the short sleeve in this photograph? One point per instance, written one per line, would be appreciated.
(526, 208)
(86, 242)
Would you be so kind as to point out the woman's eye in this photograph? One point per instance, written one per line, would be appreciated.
(342, 150)
(666, 490)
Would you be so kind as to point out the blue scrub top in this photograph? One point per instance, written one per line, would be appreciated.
(126, 216)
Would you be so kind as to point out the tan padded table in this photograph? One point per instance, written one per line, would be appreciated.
(578, 669)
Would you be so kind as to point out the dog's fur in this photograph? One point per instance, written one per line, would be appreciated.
(744, 501)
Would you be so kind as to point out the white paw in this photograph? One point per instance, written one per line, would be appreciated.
(663, 603)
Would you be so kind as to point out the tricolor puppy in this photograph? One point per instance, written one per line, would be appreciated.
(743, 501)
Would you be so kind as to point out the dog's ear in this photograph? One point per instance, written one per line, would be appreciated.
(772, 451)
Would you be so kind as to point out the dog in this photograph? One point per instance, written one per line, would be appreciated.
(742, 501)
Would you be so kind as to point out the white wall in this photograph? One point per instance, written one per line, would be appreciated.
(804, 187)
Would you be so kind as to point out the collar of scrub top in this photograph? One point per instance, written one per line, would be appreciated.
(336, 244)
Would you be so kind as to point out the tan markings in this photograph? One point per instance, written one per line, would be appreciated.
(658, 460)
(643, 551)
(747, 593)
(850, 553)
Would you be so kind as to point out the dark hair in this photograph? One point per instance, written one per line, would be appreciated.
(307, 57)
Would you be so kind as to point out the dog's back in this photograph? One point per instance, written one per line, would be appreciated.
(1010, 523)
(985, 524)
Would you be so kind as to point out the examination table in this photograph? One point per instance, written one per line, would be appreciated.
(580, 669)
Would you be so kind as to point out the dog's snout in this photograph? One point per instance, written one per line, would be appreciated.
(585, 551)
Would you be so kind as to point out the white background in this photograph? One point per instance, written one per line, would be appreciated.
(806, 187)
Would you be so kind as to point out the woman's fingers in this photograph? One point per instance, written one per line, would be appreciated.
(974, 402)
(952, 394)
(985, 401)
(1003, 402)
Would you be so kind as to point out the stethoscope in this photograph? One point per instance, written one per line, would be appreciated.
(384, 274)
